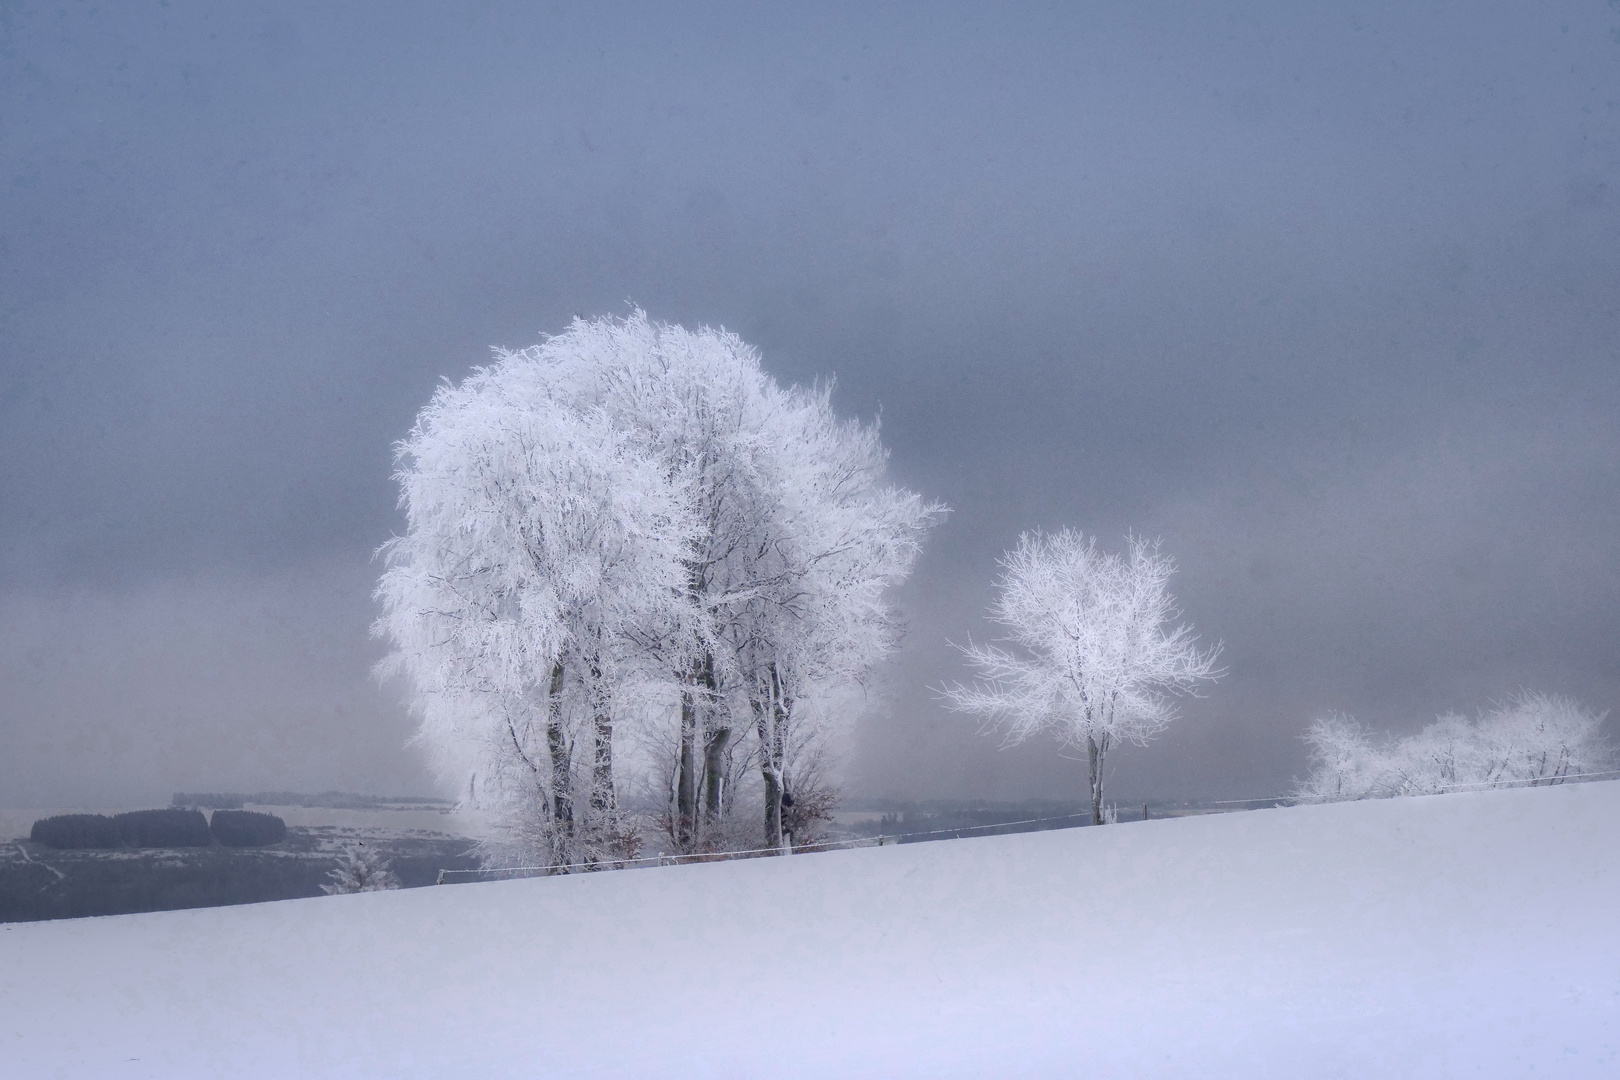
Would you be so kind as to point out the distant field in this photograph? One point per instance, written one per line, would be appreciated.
(390, 820)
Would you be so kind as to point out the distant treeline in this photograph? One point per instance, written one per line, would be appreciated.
(326, 800)
(171, 828)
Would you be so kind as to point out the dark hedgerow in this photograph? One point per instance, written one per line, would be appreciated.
(76, 831)
(164, 828)
(247, 828)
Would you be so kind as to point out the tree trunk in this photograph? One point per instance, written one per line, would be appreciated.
(770, 718)
(1095, 749)
(607, 844)
(773, 807)
(696, 699)
(604, 799)
(683, 814)
(714, 775)
(562, 784)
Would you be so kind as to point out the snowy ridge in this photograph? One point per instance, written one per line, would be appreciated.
(1470, 934)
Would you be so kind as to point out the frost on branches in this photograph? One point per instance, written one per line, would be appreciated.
(631, 529)
(1090, 656)
(362, 870)
(1532, 740)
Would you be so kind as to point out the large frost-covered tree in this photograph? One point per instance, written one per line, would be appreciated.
(1533, 739)
(797, 540)
(634, 511)
(1092, 656)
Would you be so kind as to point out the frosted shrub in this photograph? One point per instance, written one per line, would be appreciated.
(1533, 739)
(362, 870)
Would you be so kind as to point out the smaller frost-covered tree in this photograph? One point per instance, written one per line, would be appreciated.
(362, 870)
(1532, 740)
(1093, 657)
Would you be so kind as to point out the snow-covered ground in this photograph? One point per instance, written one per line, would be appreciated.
(1456, 935)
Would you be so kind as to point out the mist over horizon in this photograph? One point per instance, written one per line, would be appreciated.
(1327, 300)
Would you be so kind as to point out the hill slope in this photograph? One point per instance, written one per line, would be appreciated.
(1456, 935)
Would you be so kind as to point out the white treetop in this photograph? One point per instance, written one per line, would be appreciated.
(1090, 653)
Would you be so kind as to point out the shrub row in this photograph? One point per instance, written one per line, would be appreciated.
(159, 828)
(164, 828)
(76, 831)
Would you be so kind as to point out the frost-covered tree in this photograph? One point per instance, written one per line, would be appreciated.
(362, 870)
(629, 515)
(1345, 763)
(818, 617)
(1091, 655)
(537, 583)
(1531, 740)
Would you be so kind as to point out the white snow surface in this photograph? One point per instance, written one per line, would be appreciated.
(1453, 935)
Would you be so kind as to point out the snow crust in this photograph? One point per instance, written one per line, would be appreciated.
(1456, 935)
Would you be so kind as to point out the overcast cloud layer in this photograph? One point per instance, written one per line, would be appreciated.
(1326, 297)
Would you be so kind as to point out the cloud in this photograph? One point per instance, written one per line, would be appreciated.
(120, 698)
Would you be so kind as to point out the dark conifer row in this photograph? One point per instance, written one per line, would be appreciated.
(159, 828)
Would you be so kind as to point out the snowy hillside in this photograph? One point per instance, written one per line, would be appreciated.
(1459, 935)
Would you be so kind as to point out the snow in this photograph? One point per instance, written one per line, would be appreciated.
(1454, 935)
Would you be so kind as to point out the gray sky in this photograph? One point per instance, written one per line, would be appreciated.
(1326, 296)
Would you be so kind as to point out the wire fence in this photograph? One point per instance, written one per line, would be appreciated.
(1149, 809)
(662, 859)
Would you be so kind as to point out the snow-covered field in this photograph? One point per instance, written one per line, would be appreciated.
(1456, 935)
